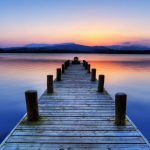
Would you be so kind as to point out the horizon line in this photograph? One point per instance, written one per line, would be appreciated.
(67, 43)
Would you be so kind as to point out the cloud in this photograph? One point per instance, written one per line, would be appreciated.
(126, 43)
(145, 42)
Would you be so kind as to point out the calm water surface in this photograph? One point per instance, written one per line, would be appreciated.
(124, 73)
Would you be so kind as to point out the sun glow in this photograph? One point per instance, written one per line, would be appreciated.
(91, 23)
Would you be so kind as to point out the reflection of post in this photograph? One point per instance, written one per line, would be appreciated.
(120, 109)
(93, 75)
(101, 83)
(49, 83)
(32, 105)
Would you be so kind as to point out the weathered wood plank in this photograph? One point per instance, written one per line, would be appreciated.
(76, 103)
(79, 106)
(76, 133)
(75, 111)
(61, 118)
(94, 140)
(36, 146)
(76, 128)
(77, 96)
(85, 114)
(89, 108)
(72, 122)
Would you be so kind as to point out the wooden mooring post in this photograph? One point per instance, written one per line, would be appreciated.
(58, 74)
(120, 108)
(93, 75)
(89, 68)
(65, 64)
(68, 63)
(49, 83)
(32, 105)
(63, 68)
(101, 83)
(84, 63)
(76, 60)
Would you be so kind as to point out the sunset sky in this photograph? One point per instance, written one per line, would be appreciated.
(89, 22)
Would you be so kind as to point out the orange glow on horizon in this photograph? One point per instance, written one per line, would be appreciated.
(88, 40)
(91, 34)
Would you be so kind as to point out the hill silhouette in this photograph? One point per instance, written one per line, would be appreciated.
(77, 48)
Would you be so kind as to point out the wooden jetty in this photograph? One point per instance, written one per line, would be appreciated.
(75, 113)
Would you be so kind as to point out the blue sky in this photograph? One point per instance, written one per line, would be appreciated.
(90, 22)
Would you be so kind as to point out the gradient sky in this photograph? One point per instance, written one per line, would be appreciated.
(90, 22)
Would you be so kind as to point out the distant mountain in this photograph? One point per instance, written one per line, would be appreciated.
(134, 47)
(78, 48)
(34, 45)
(70, 47)
(74, 46)
(67, 47)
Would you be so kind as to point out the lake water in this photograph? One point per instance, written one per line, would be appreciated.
(124, 73)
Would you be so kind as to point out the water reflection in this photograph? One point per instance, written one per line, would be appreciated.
(20, 72)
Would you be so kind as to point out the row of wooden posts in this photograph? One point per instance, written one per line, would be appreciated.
(32, 98)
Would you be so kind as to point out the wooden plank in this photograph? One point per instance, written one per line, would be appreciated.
(76, 128)
(79, 106)
(72, 122)
(62, 118)
(66, 110)
(53, 103)
(36, 146)
(95, 140)
(80, 97)
(85, 114)
(76, 133)
(90, 108)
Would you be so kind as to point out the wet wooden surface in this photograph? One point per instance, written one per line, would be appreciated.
(75, 117)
